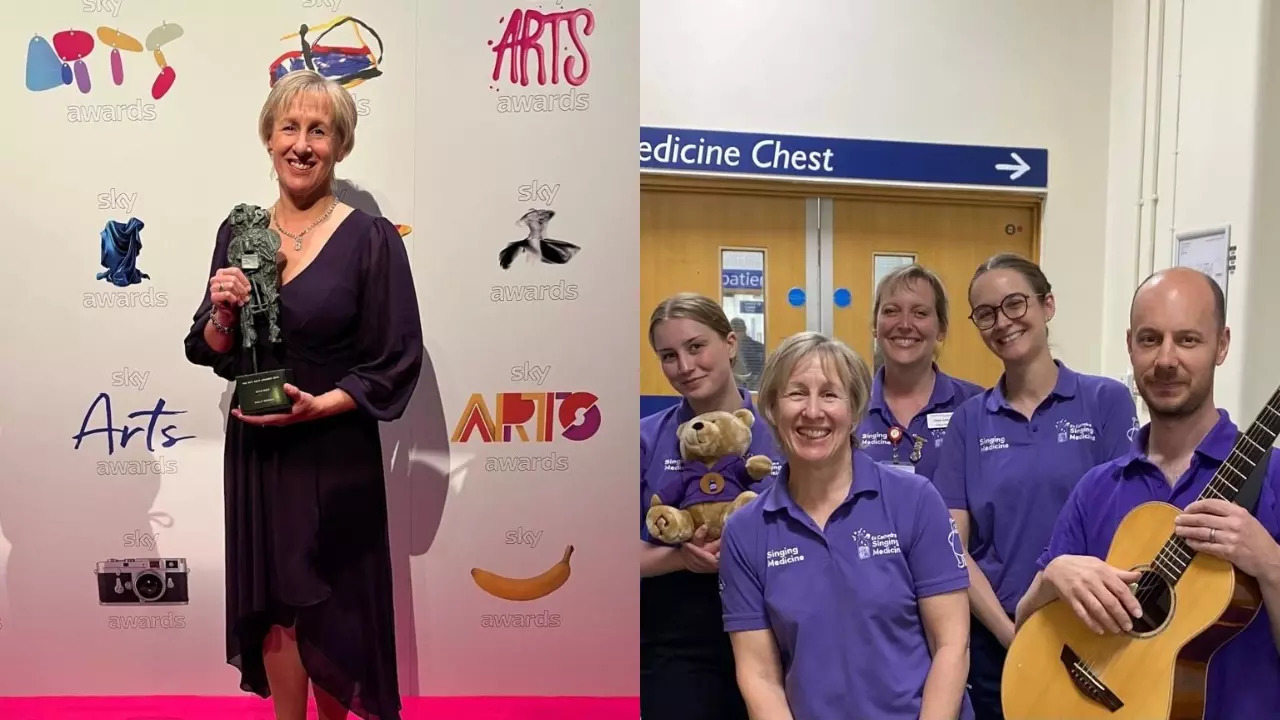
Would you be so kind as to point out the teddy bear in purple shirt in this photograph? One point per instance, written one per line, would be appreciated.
(714, 478)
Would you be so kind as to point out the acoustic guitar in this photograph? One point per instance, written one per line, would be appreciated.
(1192, 604)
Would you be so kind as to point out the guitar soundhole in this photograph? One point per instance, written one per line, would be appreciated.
(1156, 598)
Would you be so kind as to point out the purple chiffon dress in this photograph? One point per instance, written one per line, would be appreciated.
(306, 515)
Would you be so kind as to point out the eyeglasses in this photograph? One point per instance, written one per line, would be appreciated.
(1014, 306)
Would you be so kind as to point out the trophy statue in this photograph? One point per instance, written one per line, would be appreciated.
(253, 249)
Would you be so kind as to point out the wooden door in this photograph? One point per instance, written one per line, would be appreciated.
(686, 236)
(951, 239)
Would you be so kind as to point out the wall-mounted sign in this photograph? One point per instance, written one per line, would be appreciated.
(849, 159)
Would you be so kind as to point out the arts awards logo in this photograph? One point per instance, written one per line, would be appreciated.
(524, 588)
(520, 418)
(536, 248)
(345, 57)
(554, 44)
(75, 57)
(120, 268)
(140, 435)
(143, 584)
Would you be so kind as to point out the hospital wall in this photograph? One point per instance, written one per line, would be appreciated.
(1202, 152)
(1065, 76)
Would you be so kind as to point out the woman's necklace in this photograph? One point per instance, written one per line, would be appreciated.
(297, 239)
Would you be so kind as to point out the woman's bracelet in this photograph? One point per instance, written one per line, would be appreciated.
(213, 318)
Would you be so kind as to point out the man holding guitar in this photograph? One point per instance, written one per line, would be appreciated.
(1177, 337)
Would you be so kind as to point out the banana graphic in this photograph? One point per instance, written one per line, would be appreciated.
(521, 589)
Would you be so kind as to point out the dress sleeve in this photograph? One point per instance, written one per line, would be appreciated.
(389, 337)
(224, 365)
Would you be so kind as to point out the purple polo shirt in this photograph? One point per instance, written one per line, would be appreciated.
(1108, 492)
(1013, 475)
(842, 602)
(928, 426)
(688, 489)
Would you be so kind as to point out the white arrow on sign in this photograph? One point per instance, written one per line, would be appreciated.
(1018, 168)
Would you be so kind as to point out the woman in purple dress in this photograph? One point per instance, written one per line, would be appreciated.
(308, 567)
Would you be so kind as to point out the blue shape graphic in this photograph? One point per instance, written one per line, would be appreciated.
(121, 245)
(842, 298)
(796, 297)
(45, 70)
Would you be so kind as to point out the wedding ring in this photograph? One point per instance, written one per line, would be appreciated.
(1212, 531)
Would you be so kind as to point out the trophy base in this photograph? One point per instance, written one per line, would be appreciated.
(262, 393)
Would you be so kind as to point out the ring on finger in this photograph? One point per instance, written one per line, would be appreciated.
(1212, 532)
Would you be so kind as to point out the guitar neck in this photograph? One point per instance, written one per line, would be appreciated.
(1230, 477)
(1245, 455)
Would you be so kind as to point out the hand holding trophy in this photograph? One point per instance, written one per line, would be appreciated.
(253, 250)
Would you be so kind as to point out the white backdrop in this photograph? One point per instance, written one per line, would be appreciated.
(443, 148)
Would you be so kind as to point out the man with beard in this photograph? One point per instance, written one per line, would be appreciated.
(1177, 336)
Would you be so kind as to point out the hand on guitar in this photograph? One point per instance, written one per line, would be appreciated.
(1098, 592)
(1225, 530)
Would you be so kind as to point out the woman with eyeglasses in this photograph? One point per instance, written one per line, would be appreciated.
(1013, 453)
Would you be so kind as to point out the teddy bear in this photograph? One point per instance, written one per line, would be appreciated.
(714, 480)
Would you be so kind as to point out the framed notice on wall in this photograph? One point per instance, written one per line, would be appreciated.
(1207, 250)
(884, 263)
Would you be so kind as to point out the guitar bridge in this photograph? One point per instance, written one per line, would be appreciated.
(1087, 682)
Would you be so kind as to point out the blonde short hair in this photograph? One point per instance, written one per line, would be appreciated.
(302, 82)
(840, 362)
(906, 276)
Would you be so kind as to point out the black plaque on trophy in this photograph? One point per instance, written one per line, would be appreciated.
(253, 249)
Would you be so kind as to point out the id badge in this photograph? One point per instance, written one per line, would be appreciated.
(902, 466)
(938, 421)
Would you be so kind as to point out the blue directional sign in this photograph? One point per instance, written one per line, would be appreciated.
(798, 156)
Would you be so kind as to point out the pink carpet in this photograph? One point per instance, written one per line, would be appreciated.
(207, 708)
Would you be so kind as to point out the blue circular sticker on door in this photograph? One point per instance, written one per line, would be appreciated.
(842, 298)
(796, 297)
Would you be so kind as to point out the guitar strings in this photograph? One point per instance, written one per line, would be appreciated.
(1176, 549)
(1150, 583)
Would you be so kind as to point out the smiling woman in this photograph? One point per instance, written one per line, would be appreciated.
(309, 596)
(911, 399)
(686, 663)
(1013, 453)
(836, 532)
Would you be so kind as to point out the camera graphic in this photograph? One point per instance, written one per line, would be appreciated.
(142, 581)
